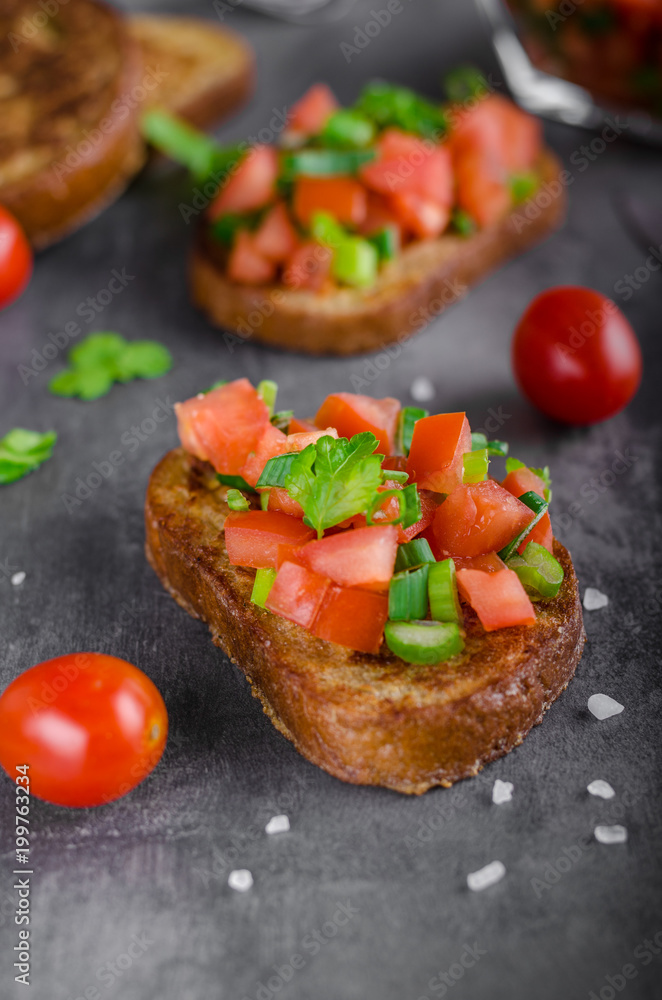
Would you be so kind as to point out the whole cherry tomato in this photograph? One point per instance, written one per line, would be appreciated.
(575, 355)
(15, 258)
(89, 726)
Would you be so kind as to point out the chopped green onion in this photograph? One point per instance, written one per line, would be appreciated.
(326, 229)
(463, 222)
(225, 228)
(424, 642)
(539, 507)
(442, 590)
(413, 554)
(187, 145)
(390, 105)
(479, 441)
(522, 186)
(264, 581)
(387, 242)
(236, 500)
(396, 475)
(408, 594)
(277, 469)
(267, 391)
(512, 464)
(324, 162)
(464, 82)
(236, 481)
(538, 570)
(264, 499)
(475, 465)
(355, 262)
(348, 128)
(406, 420)
(413, 513)
(281, 420)
(409, 506)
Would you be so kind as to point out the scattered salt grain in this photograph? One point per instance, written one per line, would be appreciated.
(611, 834)
(240, 879)
(502, 791)
(487, 876)
(422, 389)
(278, 824)
(594, 599)
(18, 578)
(603, 707)
(601, 788)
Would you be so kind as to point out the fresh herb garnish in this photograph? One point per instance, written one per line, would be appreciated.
(22, 451)
(236, 500)
(104, 358)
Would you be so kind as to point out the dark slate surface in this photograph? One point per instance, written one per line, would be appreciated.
(155, 864)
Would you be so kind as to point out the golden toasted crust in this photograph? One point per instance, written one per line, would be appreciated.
(419, 284)
(70, 87)
(207, 70)
(372, 720)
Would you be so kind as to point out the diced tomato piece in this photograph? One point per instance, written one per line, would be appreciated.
(360, 557)
(297, 594)
(252, 537)
(437, 447)
(482, 190)
(312, 111)
(429, 535)
(280, 499)
(301, 439)
(395, 144)
(272, 442)
(352, 414)
(342, 197)
(396, 462)
(488, 563)
(429, 504)
(407, 164)
(224, 425)
(499, 130)
(425, 218)
(541, 533)
(380, 215)
(523, 481)
(251, 186)
(276, 238)
(479, 518)
(297, 426)
(309, 267)
(434, 178)
(354, 618)
(246, 265)
(499, 599)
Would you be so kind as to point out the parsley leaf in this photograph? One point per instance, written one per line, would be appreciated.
(143, 359)
(104, 358)
(22, 451)
(333, 479)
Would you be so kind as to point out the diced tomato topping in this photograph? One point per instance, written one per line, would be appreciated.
(276, 237)
(482, 190)
(297, 426)
(479, 518)
(297, 594)
(380, 215)
(406, 163)
(423, 217)
(437, 447)
(429, 504)
(280, 499)
(342, 197)
(497, 128)
(246, 265)
(488, 563)
(251, 186)
(352, 414)
(396, 462)
(301, 439)
(252, 537)
(499, 599)
(272, 442)
(312, 111)
(541, 533)
(224, 425)
(354, 618)
(309, 267)
(523, 481)
(429, 535)
(360, 557)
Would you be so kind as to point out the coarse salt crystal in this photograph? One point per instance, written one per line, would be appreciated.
(611, 834)
(486, 876)
(422, 389)
(594, 599)
(240, 879)
(601, 788)
(278, 824)
(18, 578)
(603, 707)
(502, 791)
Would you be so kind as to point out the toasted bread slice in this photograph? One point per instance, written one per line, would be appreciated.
(418, 285)
(204, 71)
(69, 105)
(372, 720)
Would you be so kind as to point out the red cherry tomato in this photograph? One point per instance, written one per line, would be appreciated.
(15, 258)
(89, 726)
(575, 355)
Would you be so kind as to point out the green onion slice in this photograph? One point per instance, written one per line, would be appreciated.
(475, 465)
(539, 507)
(479, 441)
(463, 222)
(187, 145)
(355, 262)
(406, 420)
(424, 642)
(264, 581)
(235, 481)
(538, 570)
(324, 162)
(236, 500)
(326, 229)
(408, 594)
(409, 506)
(348, 128)
(387, 242)
(264, 499)
(442, 589)
(277, 469)
(412, 554)
(267, 391)
(395, 475)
